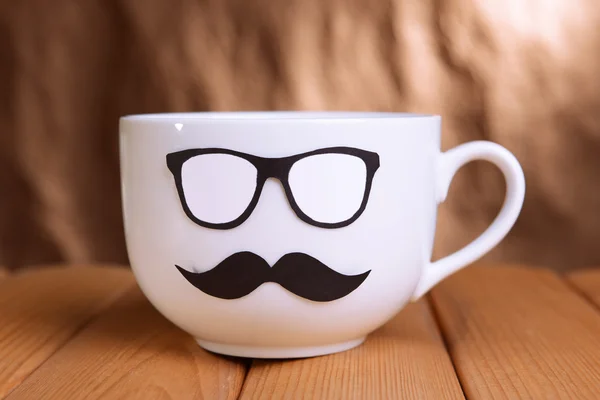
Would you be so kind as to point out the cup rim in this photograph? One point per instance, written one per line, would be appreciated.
(216, 116)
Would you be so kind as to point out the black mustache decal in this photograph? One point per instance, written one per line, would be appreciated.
(241, 273)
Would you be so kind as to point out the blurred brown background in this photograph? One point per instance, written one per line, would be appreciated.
(521, 73)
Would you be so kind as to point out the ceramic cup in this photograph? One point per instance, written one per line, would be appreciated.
(292, 234)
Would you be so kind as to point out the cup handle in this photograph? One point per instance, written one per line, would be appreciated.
(450, 162)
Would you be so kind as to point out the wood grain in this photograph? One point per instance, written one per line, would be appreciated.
(519, 333)
(404, 359)
(41, 310)
(132, 352)
(588, 283)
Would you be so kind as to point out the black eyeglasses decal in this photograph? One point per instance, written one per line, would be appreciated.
(233, 192)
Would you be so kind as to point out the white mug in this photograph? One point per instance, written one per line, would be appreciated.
(292, 234)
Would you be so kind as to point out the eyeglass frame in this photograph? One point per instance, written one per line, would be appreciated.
(278, 168)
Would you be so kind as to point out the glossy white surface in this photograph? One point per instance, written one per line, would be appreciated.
(329, 187)
(210, 180)
(393, 238)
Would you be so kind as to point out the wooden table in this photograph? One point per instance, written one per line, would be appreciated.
(488, 332)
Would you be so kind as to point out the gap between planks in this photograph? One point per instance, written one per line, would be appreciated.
(41, 309)
(404, 359)
(131, 351)
(519, 332)
(587, 282)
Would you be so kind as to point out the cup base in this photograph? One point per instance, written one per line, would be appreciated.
(278, 352)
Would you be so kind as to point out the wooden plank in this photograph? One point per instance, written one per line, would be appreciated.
(404, 359)
(3, 272)
(132, 352)
(519, 333)
(41, 310)
(588, 283)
